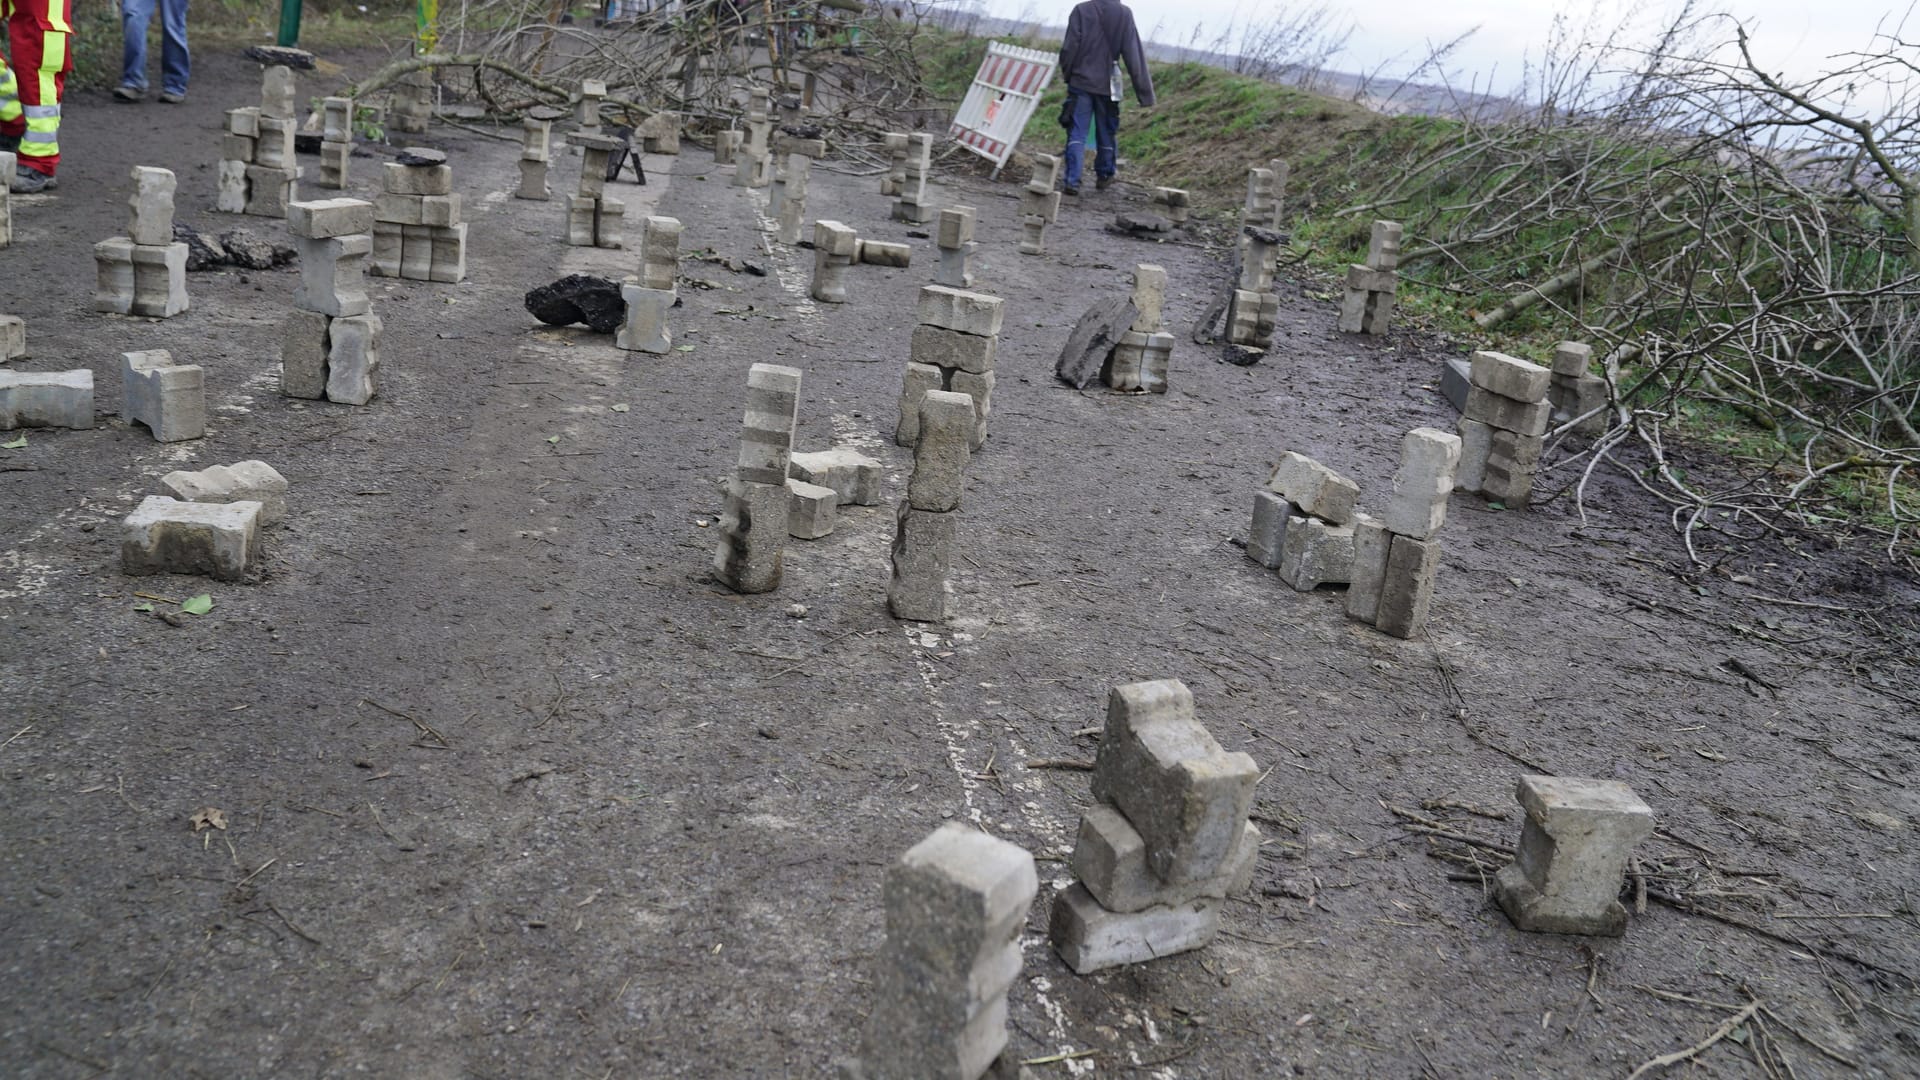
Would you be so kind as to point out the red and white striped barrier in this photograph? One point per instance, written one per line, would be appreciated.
(1001, 100)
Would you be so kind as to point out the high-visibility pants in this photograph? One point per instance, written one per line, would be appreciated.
(31, 86)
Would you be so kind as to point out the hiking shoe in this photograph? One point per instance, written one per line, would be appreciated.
(1103, 183)
(128, 94)
(1070, 189)
(172, 97)
(27, 181)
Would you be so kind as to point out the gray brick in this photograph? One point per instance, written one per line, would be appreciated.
(303, 355)
(952, 350)
(812, 510)
(1267, 536)
(150, 207)
(243, 481)
(1090, 938)
(854, 476)
(753, 536)
(1315, 554)
(322, 219)
(1407, 589)
(170, 399)
(1312, 487)
(1371, 543)
(1527, 418)
(918, 380)
(166, 536)
(921, 556)
(353, 358)
(60, 399)
(1110, 859)
(1429, 460)
(1509, 376)
(1571, 862)
(958, 309)
(940, 454)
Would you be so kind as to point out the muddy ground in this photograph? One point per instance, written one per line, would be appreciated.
(512, 788)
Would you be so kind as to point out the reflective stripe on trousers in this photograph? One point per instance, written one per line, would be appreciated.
(43, 132)
(9, 94)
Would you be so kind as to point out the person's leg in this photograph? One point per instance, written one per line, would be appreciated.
(39, 31)
(134, 17)
(176, 62)
(1077, 139)
(13, 122)
(1106, 159)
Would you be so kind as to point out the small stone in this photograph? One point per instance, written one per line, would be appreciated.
(794, 611)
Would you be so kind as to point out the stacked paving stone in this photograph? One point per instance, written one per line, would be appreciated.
(956, 245)
(1397, 557)
(243, 481)
(167, 536)
(952, 349)
(652, 297)
(586, 111)
(13, 337)
(330, 342)
(8, 162)
(1254, 309)
(49, 399)
(1140, 358)
(1303, 523)
(1175, 204)
(1266, 195)
(929, 516)
(753, 526)
(1166, 841)
(144, 272)
(336, 141)
(1368, 305)
(659, 133)
(257, 168)
(894, 180)
(1575, 394)
(752, 163)
(788, 198)
(536, 154)
(1503, 427)
(835, 246)
(594, 219)
(956, 903)
(853, 477)
(169, 398)
(417, 231)
(1039, 204)
(912, 205)
(412, 106)
(726, 146)
(1567, 872)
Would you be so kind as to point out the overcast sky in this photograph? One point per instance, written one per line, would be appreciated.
(1795, 36)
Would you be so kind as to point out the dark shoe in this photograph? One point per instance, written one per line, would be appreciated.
(1070, 189)
(27, 181)
(1103, 183)
(172, 97)
(9, 144)
(128, 94)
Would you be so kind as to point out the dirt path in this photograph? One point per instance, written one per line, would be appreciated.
(514, 789)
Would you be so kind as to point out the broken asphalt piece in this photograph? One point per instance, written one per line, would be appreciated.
(579, 298)
(307, 142)
(203, 252)
(804, 131)
(1093, 338)
(1141, 224)
(1243, 355)
(1267, 236)
(270, 55)
(420, 155)
(548, 113)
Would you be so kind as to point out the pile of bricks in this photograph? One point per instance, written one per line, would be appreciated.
(1502, 428)
(1140, 358)
(536, 155)
(144, 272)
(594, 219)
(1175, 204)
(753, 525)
(753, 162)
(1254, 308)
(1571, 862)
(1166, 841)
(911, 204)
(1303, 523)
(1039, 204)
(257, 169)
(330, 342)
(952, 349)
(411, 107)
(956, 903)
(336, 141)
(1368, 304)
(243, 481)
(652, 297)
(1396, 558)
(46, 399)
(954, 240)
(169, 398)
(929, 517)
(1576, 396)
(417, 231)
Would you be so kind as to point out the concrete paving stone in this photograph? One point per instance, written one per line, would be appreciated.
(812, 509)
(398, 179)
(416, 252)
(244, 121)
(273, 147)
(1367, 279)
(449, 246)
(918, 380)
(1314, 489)
(1371, 542)
(150, 207)
(884, 253)
(959, 310)
(952, 349)
(1407, 589)
(766, 431)
(1090, 938)
(753, 536)
(979, 388)
(1456, 380)
(1476, 442)
(956, 227)
(333, 273)
(1158, 765)
(303, 354)
(1149, 297)
(1509, 376)
(113, 263)
(353, 358)
(1267, 536)
(160, 280)
(1493, 410)
(646, 328)
(269, 190)
(1572, 358)
(958, 898)
(1429, 460)
(167, 536)
(1110, 859)
(13, 337)
(1571, 862)
(940, 454)
(243, 481)
(955, 269)
(59, 399)
(169, 398)
(323, 219)
(922, 554)
(854, 476)
(1383, 245)
(1316, 553)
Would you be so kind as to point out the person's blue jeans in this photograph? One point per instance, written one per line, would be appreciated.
(1102, 114)
(175, 61)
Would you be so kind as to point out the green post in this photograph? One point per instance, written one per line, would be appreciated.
(289, 24)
